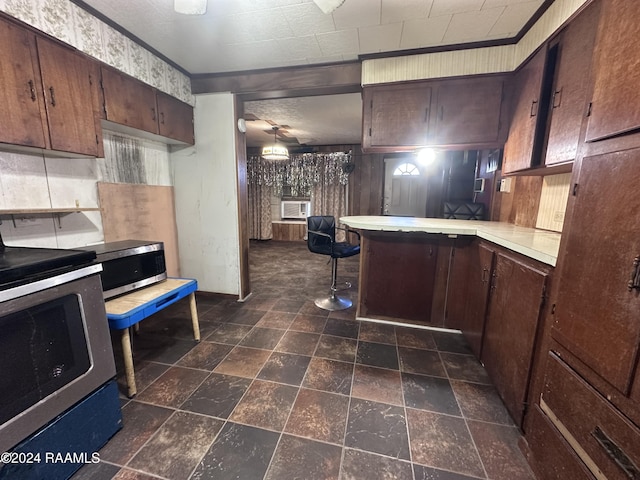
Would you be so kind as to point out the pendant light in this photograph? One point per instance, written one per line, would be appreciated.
(275, 151)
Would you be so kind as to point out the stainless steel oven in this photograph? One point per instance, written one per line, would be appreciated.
(55, 347)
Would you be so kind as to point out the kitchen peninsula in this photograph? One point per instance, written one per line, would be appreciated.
(402, 269)
(487, 279)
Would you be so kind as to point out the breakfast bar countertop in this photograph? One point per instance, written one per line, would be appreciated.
(541, 245)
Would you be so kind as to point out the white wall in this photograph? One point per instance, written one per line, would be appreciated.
(37, 181)
(205, 182)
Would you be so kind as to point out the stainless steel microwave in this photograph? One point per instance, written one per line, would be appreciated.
(129, 264)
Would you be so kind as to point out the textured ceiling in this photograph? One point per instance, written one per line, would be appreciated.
(238, 35)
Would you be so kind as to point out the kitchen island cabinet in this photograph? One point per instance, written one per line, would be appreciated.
(507, 271)
(397, 274)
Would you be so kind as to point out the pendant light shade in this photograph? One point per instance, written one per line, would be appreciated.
(275, 151)
(190, 7)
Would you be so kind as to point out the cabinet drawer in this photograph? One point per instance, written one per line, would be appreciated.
(604, 439)
(555, 458)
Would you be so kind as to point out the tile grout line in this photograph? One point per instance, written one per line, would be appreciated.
(404, 406)
(464, 418)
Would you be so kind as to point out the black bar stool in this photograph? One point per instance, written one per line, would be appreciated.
(321, 239)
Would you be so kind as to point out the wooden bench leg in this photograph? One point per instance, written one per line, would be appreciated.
(194, 316)
(128, 363)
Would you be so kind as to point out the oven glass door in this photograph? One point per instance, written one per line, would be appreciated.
(42, 348)
(55, 349)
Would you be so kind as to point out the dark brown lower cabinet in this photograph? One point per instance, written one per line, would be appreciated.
(480, 265)
(397, 275)
(591, 388)
(515, 304)
(554, 457)
(600, 435)
(597, 305)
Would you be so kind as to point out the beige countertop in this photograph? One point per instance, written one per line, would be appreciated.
(541, 245)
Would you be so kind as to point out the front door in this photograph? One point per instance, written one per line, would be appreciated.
(405, 188)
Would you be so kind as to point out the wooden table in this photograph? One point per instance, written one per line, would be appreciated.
(127, 310)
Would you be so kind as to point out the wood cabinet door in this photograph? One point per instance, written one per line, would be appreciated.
(396, 116)
(175, 118)
(468, 111)
(69, 98)
(479, 275)
(569, 95)
(596, 315)
(20, 95)
(397, 276)
(510, 331)
(617, 76)
(129, 102)
(518, 149)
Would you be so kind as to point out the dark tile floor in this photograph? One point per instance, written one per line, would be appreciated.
(279, 389)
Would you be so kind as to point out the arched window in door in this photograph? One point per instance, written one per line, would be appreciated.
(406, 169)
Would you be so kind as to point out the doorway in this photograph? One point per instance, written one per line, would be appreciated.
(405, 188)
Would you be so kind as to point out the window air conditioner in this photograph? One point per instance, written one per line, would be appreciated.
(294, 209)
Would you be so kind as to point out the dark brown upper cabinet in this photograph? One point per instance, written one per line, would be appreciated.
(175, 118)
(551, 98)
(132, 103)
(568, 101)
(47, 94)
(453, 113)
(614, 107)
(468, 111)
(67, 86)
(129, 102)
(21, 101)
(396, 116)
(526, 101)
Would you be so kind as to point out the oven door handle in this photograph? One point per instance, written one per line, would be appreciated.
(51, 282)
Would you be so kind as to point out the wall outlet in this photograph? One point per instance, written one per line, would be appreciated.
(558, 217)
(505, 185)
(20, 222)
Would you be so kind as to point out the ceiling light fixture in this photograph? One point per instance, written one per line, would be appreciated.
(190, 7)
(275, 151)
(328, 6)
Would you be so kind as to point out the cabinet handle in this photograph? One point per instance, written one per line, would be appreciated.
(53, 96)
(534, 108)
(162, 118)
(441, 113)
(32, 89)
(153, 114)
(634, 281)
(426, 115)
(616, 454)
(485, 275)
(557, 98)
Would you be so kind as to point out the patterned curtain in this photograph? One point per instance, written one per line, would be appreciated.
(259, 212)
(328, 197)
(321, 176)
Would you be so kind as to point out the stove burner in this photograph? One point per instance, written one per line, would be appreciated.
(20, 265)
